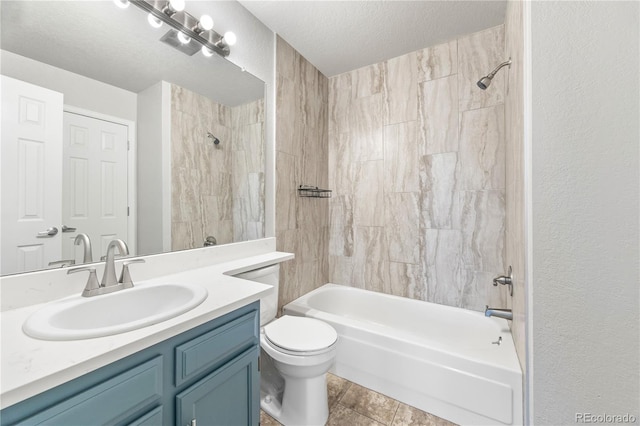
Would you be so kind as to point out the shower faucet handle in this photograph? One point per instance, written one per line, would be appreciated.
(505, 280)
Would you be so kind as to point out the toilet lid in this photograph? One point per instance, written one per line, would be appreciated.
(300, 334)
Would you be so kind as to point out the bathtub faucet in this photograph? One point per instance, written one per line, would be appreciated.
(500, 313)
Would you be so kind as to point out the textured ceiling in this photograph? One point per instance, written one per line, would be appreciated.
(118, 47)
(340, 36)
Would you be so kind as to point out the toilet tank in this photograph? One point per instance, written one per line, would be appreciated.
(268, 275)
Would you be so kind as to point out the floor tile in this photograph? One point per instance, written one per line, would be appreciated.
(343, 416)
(267, 420)
(336, 387)
(410, 416)
(369, 403)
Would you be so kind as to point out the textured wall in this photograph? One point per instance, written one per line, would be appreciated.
(248, 170)
(514, 144)
(301, 158)
(417, 162)
(216, 190)
(585, 212)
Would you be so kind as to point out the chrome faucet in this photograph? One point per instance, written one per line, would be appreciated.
(109, 277)
(496, 312)
(86, 242)
(109, 282)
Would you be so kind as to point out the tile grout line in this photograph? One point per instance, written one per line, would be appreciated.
(395, 414)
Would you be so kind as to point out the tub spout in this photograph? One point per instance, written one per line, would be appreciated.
(500, 313)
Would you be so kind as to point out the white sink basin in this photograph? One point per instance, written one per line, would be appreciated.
(80, 317)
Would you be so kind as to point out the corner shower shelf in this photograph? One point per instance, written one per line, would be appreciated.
(313, 192)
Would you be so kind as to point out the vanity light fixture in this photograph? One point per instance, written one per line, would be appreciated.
(186, 26)
(122, 4)
(184, 39)
(153, 21)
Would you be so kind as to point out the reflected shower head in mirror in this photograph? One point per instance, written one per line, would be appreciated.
(485, 81)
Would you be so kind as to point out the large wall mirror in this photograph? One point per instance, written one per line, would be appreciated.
(109, 132)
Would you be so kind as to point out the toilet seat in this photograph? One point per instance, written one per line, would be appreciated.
(300, 335)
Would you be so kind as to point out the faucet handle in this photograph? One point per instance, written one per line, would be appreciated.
(62, 263)
(505, 280)
(125, 276)
(93, 286)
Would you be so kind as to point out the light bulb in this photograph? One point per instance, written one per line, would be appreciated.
(153, 21)
(206, 22)
(177, 5)
(230, 38)
(122, 4)
(184, 39)
(207, 52)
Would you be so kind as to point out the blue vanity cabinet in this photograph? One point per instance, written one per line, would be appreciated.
(214, 399)
(208, 374)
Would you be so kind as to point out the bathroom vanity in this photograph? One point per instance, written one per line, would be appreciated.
(207, 375)
(200, 367)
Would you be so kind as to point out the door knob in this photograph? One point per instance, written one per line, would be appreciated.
(47, 233)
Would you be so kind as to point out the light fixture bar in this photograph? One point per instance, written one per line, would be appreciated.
(184, 23)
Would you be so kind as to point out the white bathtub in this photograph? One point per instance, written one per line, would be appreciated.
(434, 357)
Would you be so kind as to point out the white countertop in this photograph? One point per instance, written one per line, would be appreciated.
(29, 366)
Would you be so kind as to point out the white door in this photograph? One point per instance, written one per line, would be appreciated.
(31, 158)
(94, 195)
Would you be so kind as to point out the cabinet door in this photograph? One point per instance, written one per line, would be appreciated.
(229, 396)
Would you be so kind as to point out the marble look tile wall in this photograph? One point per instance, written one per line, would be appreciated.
(302, 157)
(247, 159)
(514, 124)
(216, 190)
(417, 163)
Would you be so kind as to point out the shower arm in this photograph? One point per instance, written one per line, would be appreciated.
(502, 65)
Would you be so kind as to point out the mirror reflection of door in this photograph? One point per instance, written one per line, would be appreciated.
(31, 176)
(94, 195)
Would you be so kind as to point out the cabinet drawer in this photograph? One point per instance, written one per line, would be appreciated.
(152, 418)
(109, 401)
(216, 346)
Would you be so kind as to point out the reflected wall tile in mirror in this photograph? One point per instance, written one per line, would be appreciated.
(438, 61)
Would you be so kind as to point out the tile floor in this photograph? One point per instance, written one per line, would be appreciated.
(353, 405)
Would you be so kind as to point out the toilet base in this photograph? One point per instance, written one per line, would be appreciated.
(304, 401)
(290, 399)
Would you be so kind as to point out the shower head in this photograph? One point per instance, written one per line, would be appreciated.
(485, 81)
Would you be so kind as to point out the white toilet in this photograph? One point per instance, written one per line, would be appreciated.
(296, 354)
